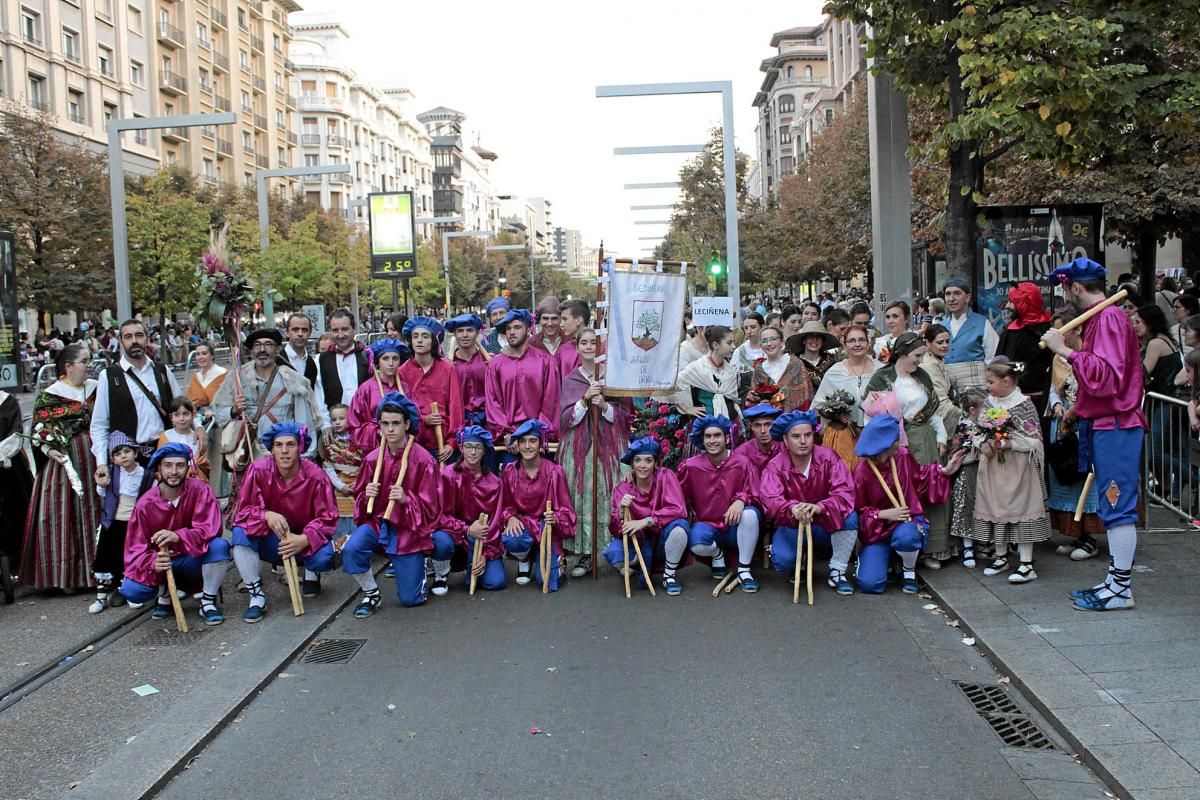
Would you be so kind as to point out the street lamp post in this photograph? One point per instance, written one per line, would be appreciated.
(725, 89)
(116, 188)
(264, 233)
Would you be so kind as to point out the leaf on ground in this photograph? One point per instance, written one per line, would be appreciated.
(1005, 680)
(968, 640)
(73, 784)
(551, 669)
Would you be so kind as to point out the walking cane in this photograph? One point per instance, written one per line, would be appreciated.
(293, 582)
(809, 561)
(399, 478)
(721, 585)
(799, 558)
(625, 551)
(437, 429)
(545, 551)
(1087, 487)
(180, 620)
(477, 555)
(378, 470)
(637, 550)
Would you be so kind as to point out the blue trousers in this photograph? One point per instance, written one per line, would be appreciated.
(186, 569)
(783, 543)
(704, 535)
(873, 558)
(652, 547)
(411, 588)
(519, 547)
(493, 576)
(267, 548)
(1116, 457)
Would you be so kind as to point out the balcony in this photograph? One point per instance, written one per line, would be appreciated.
(260, 122)
(169, 35)
(290, 100)
(248, 149)
(262, 161)
(172, 82)
(218, 16)
(207, 88)
(280, 124)
(313, 179)
(33, 37)
(291, 137)
(106, 69)
(141, 137)
(315, 102)
(341, 179)
(73, 57)
(310, 138)
(224, 147)
(222, 103)
(256, 44)
(255, 6)
(259, 84)
(289, 66)
(208, 131)
(220, 61)
(210, 179)
(337, 141)
(76, 117)
(175, 134)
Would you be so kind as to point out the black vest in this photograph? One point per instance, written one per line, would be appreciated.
(332, 381)
(310, 368)
(122, 413)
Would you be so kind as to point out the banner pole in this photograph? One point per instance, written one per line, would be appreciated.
(597, 318)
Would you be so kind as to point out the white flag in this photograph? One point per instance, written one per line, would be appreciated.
(644, 330)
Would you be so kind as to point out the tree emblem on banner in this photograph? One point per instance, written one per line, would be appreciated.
(647, 323)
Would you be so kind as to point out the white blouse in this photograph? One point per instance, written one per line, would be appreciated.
(912, 399)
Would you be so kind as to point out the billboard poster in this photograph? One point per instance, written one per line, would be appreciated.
(10, 367)
(393, 226)
(1014, 244)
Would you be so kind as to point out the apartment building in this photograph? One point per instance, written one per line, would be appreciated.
(462, 183)
(568, 248)
(347, 120)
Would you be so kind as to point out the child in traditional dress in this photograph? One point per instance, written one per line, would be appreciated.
(182, 414)
(342, 459)
(119, 498)
(962, 494)
(1010, 500)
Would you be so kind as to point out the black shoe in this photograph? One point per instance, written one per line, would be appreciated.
(310, 588)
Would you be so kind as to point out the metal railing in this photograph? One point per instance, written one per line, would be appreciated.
(1171, 456)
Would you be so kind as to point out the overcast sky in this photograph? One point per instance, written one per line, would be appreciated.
(525, 72)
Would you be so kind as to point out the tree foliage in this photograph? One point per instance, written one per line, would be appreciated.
(54, 199)
(168, 231)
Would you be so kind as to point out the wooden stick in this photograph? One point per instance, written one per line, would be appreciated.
(180, 620)
(642, 563)
(721, 585)
(1087, 487)
(808, 566)
(378, 470)
(796, 574)
(437, 429)
(547, 550)
(399, 478)
(1091, 312)
(483, 351)
(293, 584)
(733, 583)
(625, 551)
(477, 555)
(598, 324)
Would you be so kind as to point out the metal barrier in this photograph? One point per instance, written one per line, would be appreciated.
(1171, 456)
(222, 356)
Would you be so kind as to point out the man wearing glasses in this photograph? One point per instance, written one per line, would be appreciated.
(267, 394)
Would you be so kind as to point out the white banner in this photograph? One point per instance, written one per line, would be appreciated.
(708, 311)
(644, 330)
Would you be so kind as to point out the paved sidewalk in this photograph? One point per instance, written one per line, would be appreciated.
(1123, 688)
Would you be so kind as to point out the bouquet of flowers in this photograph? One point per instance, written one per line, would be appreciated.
(224, 292)
(768, 392)
(993, 425)
(346, 458)
(661, 423)
(48, 436)
(836, 406)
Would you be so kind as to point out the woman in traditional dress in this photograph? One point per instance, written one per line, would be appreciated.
(580, 393)
(816, 347)
(896, 319)
(16, 482)
(64, 513)
(850, 375)
(937, 342)
(206, 380)
(709, 385)
(913, 389)
(793, 389)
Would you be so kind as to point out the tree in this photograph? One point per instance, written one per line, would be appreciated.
(1063, 81)
(54, 199)
(296, 264)
(168, 232)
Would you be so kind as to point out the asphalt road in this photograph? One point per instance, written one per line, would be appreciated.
(742, 697)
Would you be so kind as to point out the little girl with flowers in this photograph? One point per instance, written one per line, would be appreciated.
(1010, 500)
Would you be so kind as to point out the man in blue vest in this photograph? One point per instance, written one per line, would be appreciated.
(972, 340)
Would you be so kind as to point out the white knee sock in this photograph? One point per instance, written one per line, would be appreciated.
(213, 574)
(441, 568)
(309, 575)
(747, 540)
(674, 549)
(246, 559)
(706, 550)
(366, 581)
(843, 546)
(1025, 552)
(1122, 541)
(909, 557)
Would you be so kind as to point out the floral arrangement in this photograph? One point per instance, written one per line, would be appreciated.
(837, 405)
(224, 292)
(49, 436)
(768, 392)
(661, 423)
(993, 425)
(962, 439)
(346, 458)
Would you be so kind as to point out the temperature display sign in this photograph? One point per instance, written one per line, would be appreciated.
(393, 235)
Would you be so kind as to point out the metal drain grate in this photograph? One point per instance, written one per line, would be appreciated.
(1004, 716)
(332, 651)
(167, 637)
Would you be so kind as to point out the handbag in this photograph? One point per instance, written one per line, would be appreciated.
(237, 438)
(1062, 455)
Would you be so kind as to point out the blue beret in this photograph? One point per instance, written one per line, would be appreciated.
(382, 346)
(395, 401)
(464, 321)
(879, 434)
(428, 323)
(530, 427)
(646, 446)
(287, 428)
(172, 450)
(787, 421)
(474, 433)
(761, 410)
(518, 315)
(1081, 269)
(704, 423)
(495, 303)
(117, 440)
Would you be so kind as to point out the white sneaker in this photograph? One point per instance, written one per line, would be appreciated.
(582, 567)
(1023, 574)
(440, 586)
(99, 604)
(928, 562)
(1084, 550)
(523, 570)
(996, 567)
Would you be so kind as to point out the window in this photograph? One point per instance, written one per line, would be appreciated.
(310, 160)
(75, 106)
(246, 100)
(281, 156)
(104, 10)
(31, 26)
(104, 60)
(202, 33)
(135, 20)
(277, 43)
(37, 92)
(209, 168)
(785, 136)
(70, 44)
(244, 59)
(829, 116)
(247, 142)
(205, 80)
(808, 73)
(791, 71)
(787, 104)
(136, 73)
(280, 122)
(110, 111)
(279, 81)
(248, 177)
(242, 18)
(172, 157)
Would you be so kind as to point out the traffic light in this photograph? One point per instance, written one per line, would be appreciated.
(716, 267)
